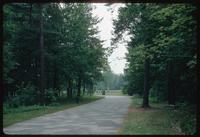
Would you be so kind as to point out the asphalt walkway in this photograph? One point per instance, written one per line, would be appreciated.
(104, 116)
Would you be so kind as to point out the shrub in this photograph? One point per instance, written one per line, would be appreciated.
(15, 102)
(5, 107)
(188, 125)
(158, 92)
(26, 95)
(124, 89)
(188, 120)
(54, 104)
(50, 96)
(127, 90)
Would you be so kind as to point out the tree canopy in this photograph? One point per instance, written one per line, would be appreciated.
(73, 55)
(162, 50)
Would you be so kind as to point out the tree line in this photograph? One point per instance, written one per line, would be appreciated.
(110, 81)
(49, 48)
(161, 51)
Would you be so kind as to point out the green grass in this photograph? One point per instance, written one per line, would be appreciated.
(157, 120)
(15, 115)
(111, 93)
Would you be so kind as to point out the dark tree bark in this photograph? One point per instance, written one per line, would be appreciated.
(69, 88)
(30, 13)
(79, 88)
(48, 76)
(83, 88)
(171, 84)
(145, 103)
(72, 88)
(2, 86)
(55, 78)
(42, 86)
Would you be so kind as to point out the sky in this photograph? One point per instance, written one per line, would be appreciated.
(117, 59)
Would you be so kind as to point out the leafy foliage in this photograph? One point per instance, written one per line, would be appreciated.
(72, 51)
(110, 81)
(163, 33)
(25, 95)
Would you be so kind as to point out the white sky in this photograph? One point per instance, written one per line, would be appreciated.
(116, 60)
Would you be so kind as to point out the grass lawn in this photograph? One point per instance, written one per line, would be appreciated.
(157, 120)
(15, 115)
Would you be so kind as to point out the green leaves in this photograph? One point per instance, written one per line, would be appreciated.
(71, 45)
(162, 33)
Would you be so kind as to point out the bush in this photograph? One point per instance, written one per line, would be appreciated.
(15, 102)
(124, 90)
(188, 125)
(127, 90)
(188, 120)
(50, 96)
(6, 107)
(158, 92)
(26, 95)
(54, 104)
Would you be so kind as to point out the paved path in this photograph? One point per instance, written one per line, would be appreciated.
(104, 116)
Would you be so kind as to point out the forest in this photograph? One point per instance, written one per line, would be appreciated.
(110, 81)
(162, 51)
(50, 48)
(162, 55)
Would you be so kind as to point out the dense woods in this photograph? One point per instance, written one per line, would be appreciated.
(162, 57)
(49, 48)
(162, 51)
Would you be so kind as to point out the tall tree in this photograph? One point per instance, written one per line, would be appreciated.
(61, 43)
(163, 37)
(41, 42)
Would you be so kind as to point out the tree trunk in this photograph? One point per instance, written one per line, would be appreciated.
(41, 56)
(68, 85)
(59, 92)
(171, 86)
(91, 89)
(2, 86)
(48, 84)
(69, 88)
(146, 84)
(83, 89)
(55, 79)
(30, 13)
(79, 88)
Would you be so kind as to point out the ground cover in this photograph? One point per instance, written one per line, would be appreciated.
(160, 119)
(14, 115)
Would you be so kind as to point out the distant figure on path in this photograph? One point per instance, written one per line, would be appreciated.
(103, 92)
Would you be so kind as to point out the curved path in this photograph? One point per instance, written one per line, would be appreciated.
(104, 116)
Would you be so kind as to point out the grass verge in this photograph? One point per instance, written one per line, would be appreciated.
(157, 120)
(15, 115)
